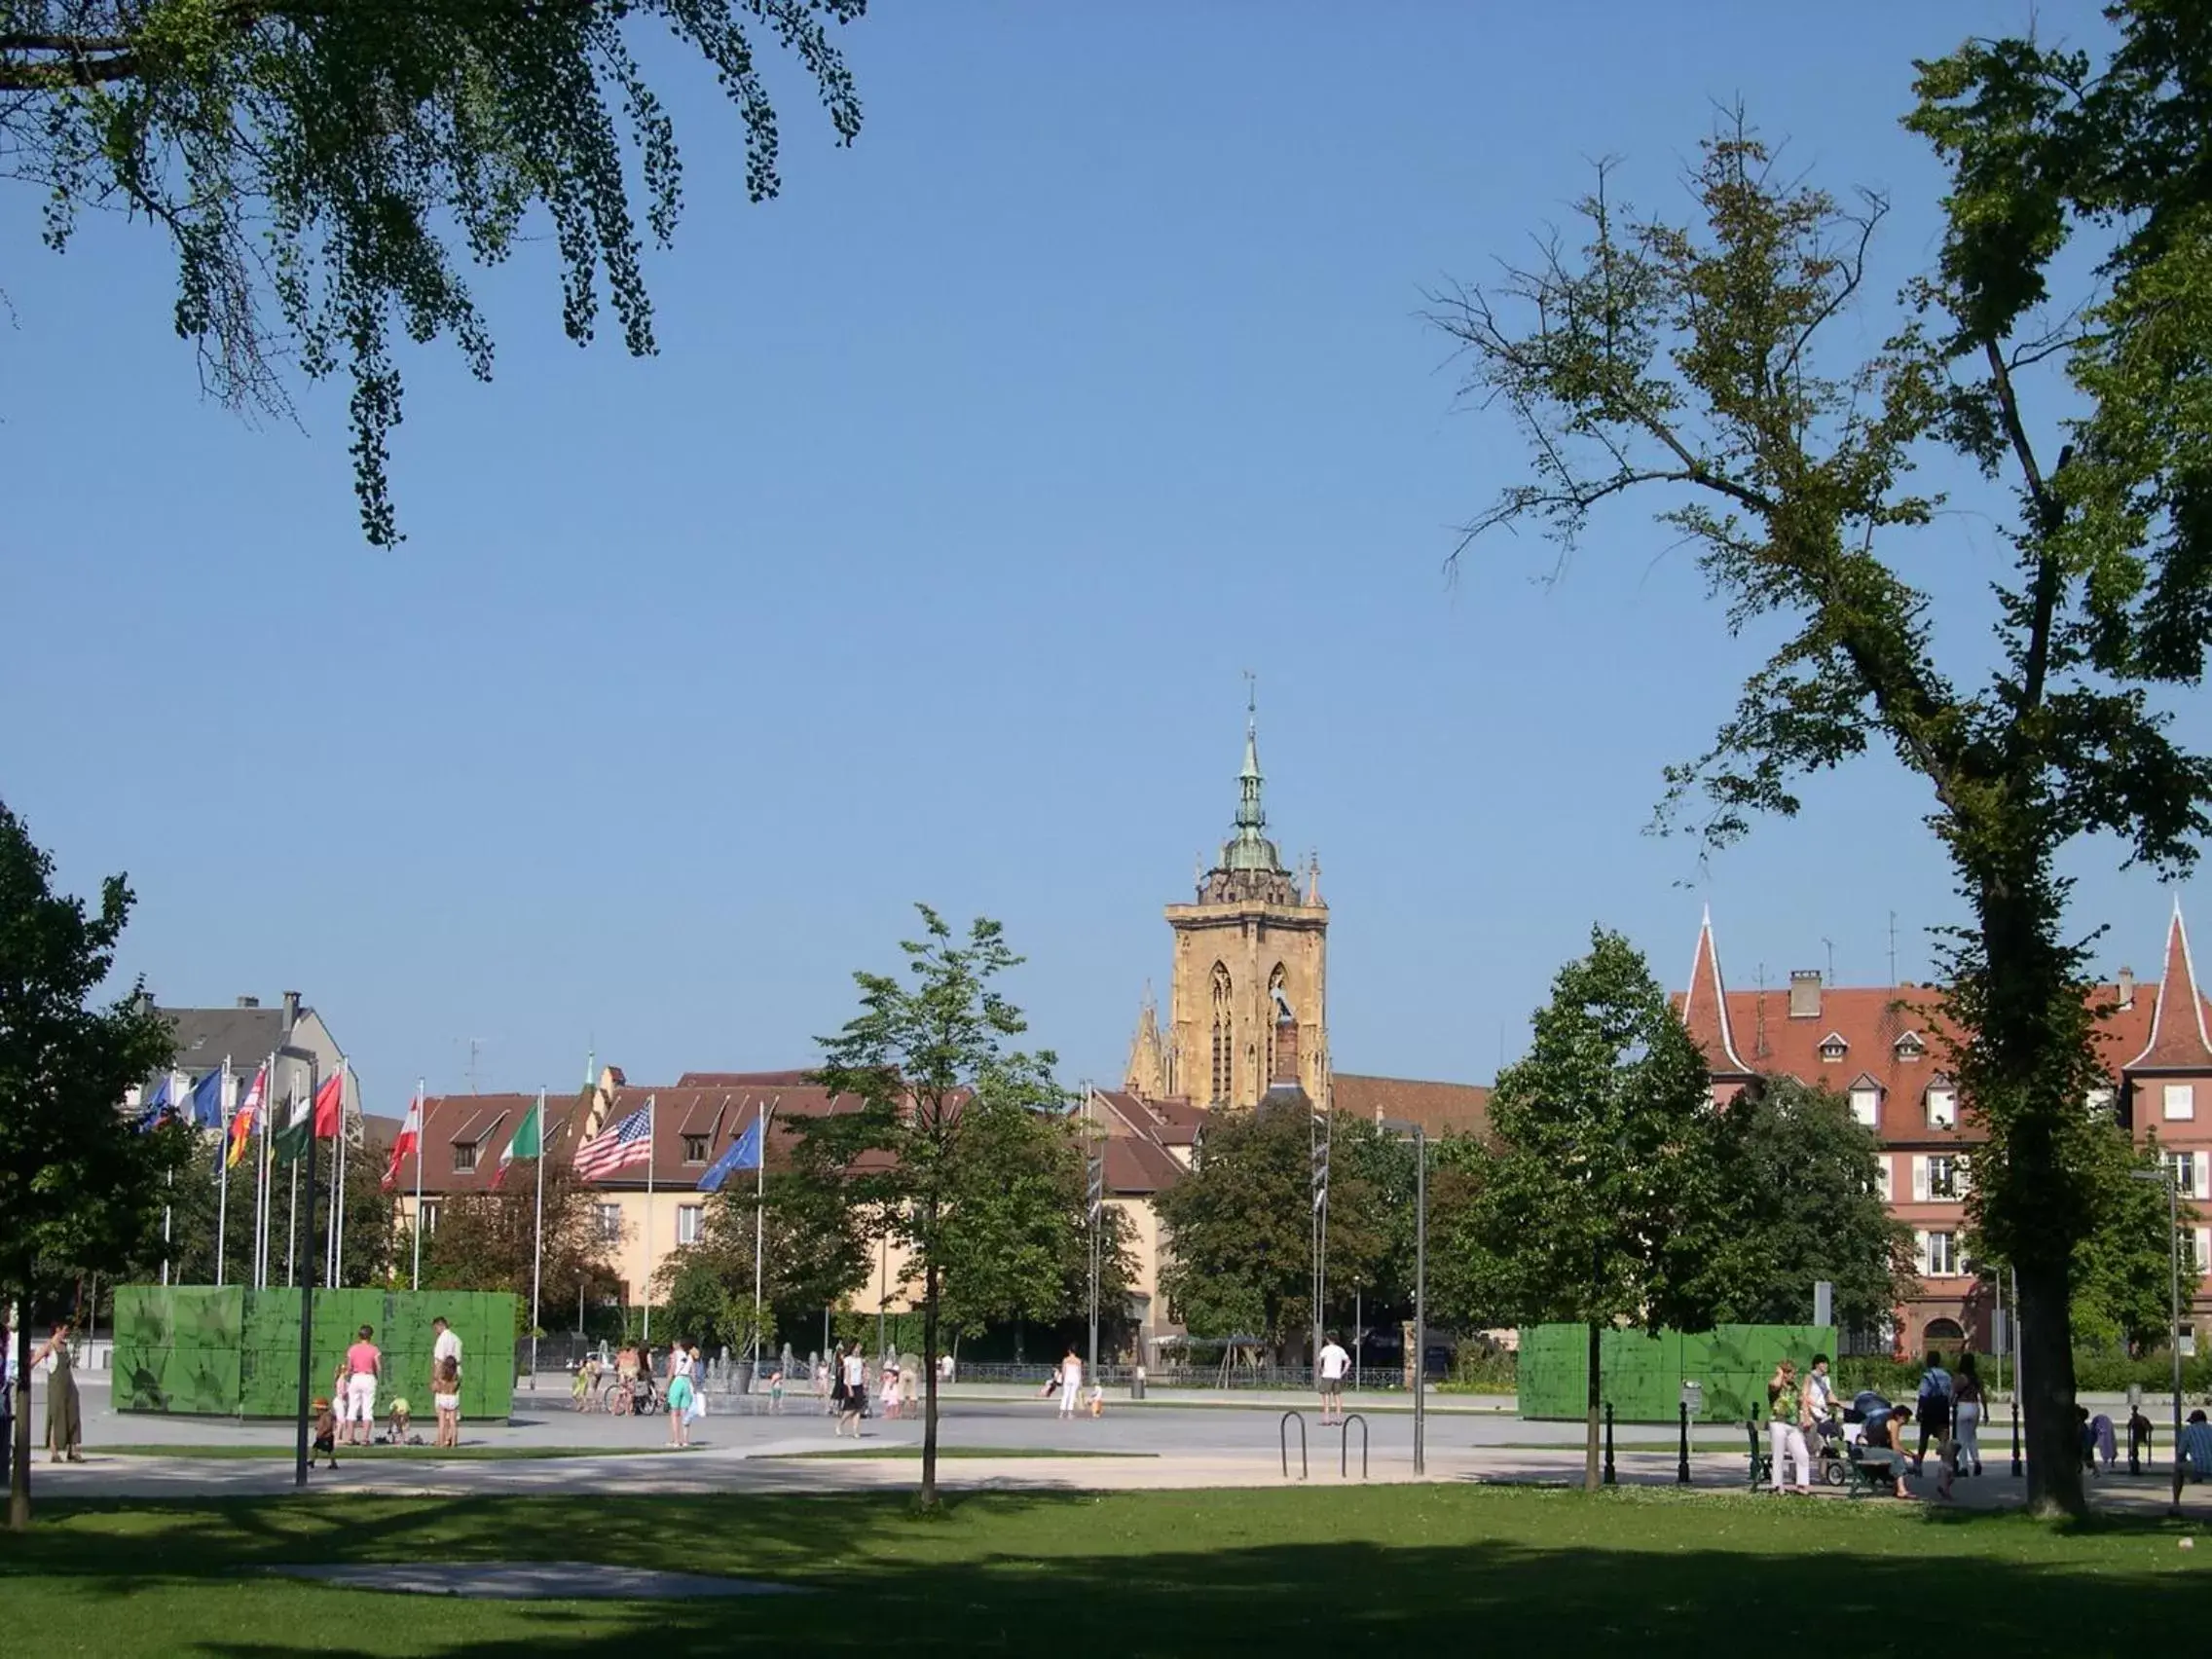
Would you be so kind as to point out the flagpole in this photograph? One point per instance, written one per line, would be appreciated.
(651, 1124)
(168, 1202)
(538, 1241)
(264, 1199)
(338, 1198)
(759, 1229)
(223, 1176)
(415, 1279)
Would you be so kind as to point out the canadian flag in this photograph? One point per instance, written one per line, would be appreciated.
(410, 1137)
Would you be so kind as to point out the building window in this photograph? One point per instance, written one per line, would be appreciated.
(2100, 1102)
(1909, 1047)
(1943, 1177)
(688, 1220)
(1867, 1105)
(2197, 1248)
(464, 1158)
(1882, 1182)
(1223, 1036)
(2181, 1101)
(1942, 1108)
(610, 1223)
(694, 1149)
(1938, 1254)
(1833, 1048)
(2188, 1340)
(2191, 1173)
(428, 1218)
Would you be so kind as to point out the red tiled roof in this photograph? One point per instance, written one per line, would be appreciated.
(1135, 1166)
(1744, 1033)
(1440, 1108)
(721, 1114)
(488, 1122)
(2176, 1041)
(1169, 1121)
(744, 1080)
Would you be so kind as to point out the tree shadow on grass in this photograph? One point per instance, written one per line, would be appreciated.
(1019, 1571)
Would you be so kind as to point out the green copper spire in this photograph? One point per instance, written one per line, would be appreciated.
(1249, 848)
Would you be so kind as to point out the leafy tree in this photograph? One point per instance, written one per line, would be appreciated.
(1239, 1225)
(321, 172)
(1604, 1176)
(814, 1253)
(930, 1063)
(486, 1241)
(193, 1194)
(77, 1187)
(1798, 1200)
(1717, 363)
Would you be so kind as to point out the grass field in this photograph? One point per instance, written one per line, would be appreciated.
(1405, 1569)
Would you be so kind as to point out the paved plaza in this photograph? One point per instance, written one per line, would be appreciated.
(1163, 1445)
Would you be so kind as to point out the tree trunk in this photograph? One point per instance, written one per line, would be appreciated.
(19, 1450)
(1590, 1470)
(929, 1386)
(2053, 1434)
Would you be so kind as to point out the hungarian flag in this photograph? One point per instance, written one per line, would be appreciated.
(330, 1106)
(410, 1137)
(243, 1118)
(529, 1142)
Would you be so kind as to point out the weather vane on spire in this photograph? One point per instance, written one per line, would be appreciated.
(1251, 693)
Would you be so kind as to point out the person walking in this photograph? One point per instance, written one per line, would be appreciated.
(1786, 1427)
(679, 1396)
(1933, 1406)
(445, 1345)
(1966, 1406)
(64, 1417)
(357, 1405)
(1071, 1382)
(889, 1381)
(852, 1390)
(823, 1384)
(1329, 1367)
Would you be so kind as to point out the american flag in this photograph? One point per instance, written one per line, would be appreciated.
(631, 1141)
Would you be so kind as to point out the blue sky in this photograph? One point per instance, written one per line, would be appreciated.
(925, 561)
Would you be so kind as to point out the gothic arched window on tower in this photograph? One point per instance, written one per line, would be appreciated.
(1224, 1035)
(1278, 1006)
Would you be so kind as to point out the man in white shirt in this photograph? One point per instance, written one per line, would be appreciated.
(1330, 1366)
(1071, 1382)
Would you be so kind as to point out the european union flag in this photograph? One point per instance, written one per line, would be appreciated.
(744, 1154)
(208, 1102)
(156, 1107)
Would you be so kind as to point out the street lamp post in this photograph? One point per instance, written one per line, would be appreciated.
(2165, 1173)
(1421, 1299)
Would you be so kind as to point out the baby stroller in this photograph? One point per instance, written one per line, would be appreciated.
(1832, 1439)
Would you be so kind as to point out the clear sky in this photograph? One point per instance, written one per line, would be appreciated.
(925, 561)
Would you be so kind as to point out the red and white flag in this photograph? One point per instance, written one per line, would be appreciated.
(410, 1137)
(330, 1106)
(248, 1114)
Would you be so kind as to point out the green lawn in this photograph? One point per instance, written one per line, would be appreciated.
(1379, 1569)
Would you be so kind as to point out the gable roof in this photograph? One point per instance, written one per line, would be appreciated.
(2177, 1039)
(1439, 1108)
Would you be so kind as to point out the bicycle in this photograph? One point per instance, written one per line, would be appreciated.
(638, 1397)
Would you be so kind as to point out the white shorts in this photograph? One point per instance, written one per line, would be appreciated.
(447, 1402)
(358, 1404)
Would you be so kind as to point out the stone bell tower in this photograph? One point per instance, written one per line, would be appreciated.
(1251, 959)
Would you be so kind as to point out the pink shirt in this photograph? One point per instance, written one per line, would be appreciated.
(362, 1359)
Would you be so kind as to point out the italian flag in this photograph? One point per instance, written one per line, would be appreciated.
(529, 1142)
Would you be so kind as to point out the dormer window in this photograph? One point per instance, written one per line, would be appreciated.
(1833, 1047)
(1942, 1106)
(1909, 1047)
(464, 1158)
(1867, 1103)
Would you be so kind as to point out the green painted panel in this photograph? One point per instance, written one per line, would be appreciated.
(1643, 1372)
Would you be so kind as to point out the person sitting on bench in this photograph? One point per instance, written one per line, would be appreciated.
(1881, 1444)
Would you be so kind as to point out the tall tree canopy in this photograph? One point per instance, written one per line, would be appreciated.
(930, 1058)
(1602, 1181)
(78, 1187)
(1717, 361)
(324, 173)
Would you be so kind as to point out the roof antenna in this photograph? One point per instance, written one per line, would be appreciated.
(1893, 947)
(1830, 943)
(1758, 1034)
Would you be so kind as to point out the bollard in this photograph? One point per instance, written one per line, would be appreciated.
(1611, 1478)
(1683, 1468)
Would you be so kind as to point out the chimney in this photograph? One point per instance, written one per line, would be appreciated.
(1805, 993)
(249, 1002)
(291, 1010)
(1286, 1049)
(2128, 988)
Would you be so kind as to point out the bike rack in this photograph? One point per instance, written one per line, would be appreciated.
(1282, 1433)
(1344, 1445)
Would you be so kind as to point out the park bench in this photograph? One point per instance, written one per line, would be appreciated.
(1761, 1457)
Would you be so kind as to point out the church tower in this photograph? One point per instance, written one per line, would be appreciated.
(1251, 959)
